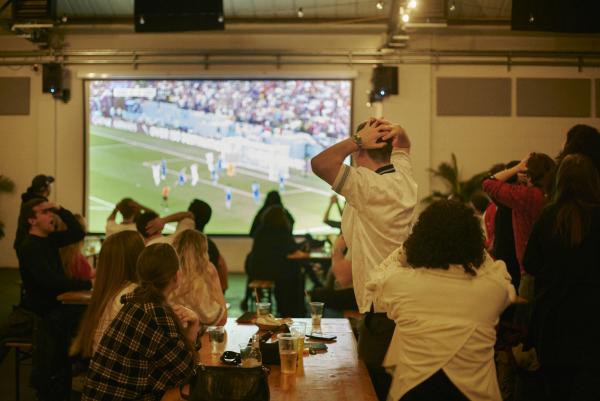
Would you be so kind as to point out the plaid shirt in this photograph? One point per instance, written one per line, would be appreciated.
(140, 356)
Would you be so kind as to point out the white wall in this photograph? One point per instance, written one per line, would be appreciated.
(51, 139)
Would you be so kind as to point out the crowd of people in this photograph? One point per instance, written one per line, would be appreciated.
(311, 106)
(457, 302)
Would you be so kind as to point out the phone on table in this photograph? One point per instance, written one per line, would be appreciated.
(321, 336)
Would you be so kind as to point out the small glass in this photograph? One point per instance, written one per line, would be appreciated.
(216, 336)
(263, 309)
(316, 312)
(288, 354)
(251, 356)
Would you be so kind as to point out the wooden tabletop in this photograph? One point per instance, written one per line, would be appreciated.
(313, 256)
(75, 297)
(334, 375)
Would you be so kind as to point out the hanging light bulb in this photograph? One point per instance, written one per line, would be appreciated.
(412, 4)
(379, 5)
(142, 20)
(221, 19)
(531, 18)
(453, 6)
(300, 13)
(405, 18)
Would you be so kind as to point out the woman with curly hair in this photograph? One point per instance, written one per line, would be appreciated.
(563, 256)
(445, 295)
(199, 288)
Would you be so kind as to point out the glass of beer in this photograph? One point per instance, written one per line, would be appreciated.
(316, 312)
(288, 352)
(299, 330)
(216, 336)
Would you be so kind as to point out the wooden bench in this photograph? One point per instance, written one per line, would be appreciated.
(22, 348)
(261, 288)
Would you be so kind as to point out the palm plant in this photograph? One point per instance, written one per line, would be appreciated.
(6, 186)
(450, 174)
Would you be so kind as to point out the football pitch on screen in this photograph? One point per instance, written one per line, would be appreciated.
(120, 165)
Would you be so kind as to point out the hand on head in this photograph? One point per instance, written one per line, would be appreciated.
(155, 226)
(373, 133)
(390, 131)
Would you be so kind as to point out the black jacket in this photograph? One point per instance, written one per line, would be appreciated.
(41, 267)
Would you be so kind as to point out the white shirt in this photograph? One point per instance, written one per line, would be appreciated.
(377, 216)
(445, 319)
(113, 227)
(184, 224)
(110, 312)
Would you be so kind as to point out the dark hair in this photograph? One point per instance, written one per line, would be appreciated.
(496, 168)
(142, 221)
(585, 140)
(273, 198)
(480, 201)
(577, 190)
(275, 217)
(381, 155)
(539, 169)
(127, 208)
(27, 212)
(446, 233)
(202, 213)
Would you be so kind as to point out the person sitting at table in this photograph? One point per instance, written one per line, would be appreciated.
(74, 262)
(272, 199)
(199, 288)
(268, 260)
(115, 277)
(202, 213)
(149, 346)
(445, 294)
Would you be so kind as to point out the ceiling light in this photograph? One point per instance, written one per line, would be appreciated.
(412, 4)
(379, 5)
(531, 18)
(300, 13)
(142, 20)
(453, 6)
(405, 18)
(220, 19)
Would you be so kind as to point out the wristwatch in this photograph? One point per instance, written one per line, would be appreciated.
(357, 140)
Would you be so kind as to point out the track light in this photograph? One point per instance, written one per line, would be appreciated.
(453, 6)
(405, 18)
(412, 4)
(379, 5)
(300, 13)
(142, 20)
(531, 18)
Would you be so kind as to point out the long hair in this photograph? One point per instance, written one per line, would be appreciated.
(116, 268)
(192, 248)
(577, 192)
(69, 253)
(156, 268)
(446, 233)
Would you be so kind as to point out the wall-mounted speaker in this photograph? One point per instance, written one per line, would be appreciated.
(52, 78)
(178, 15)
(384, 81)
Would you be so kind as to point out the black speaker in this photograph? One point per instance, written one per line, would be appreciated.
(573, 16)
(178, 15)
(52, 75)
(385, 81)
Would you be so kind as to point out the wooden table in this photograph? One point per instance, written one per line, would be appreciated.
(75, 297)
(334, 375)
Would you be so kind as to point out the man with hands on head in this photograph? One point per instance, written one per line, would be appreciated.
(43, 280)
(129, 210)
(381, 195)
(150, 225)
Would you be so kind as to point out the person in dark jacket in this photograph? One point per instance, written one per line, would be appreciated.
(564, 257)
(273, 199)
(44, 279)
(40, 189)
(268, 260)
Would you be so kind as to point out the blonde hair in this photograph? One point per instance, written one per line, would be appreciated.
(116, 268)
(69, 253)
